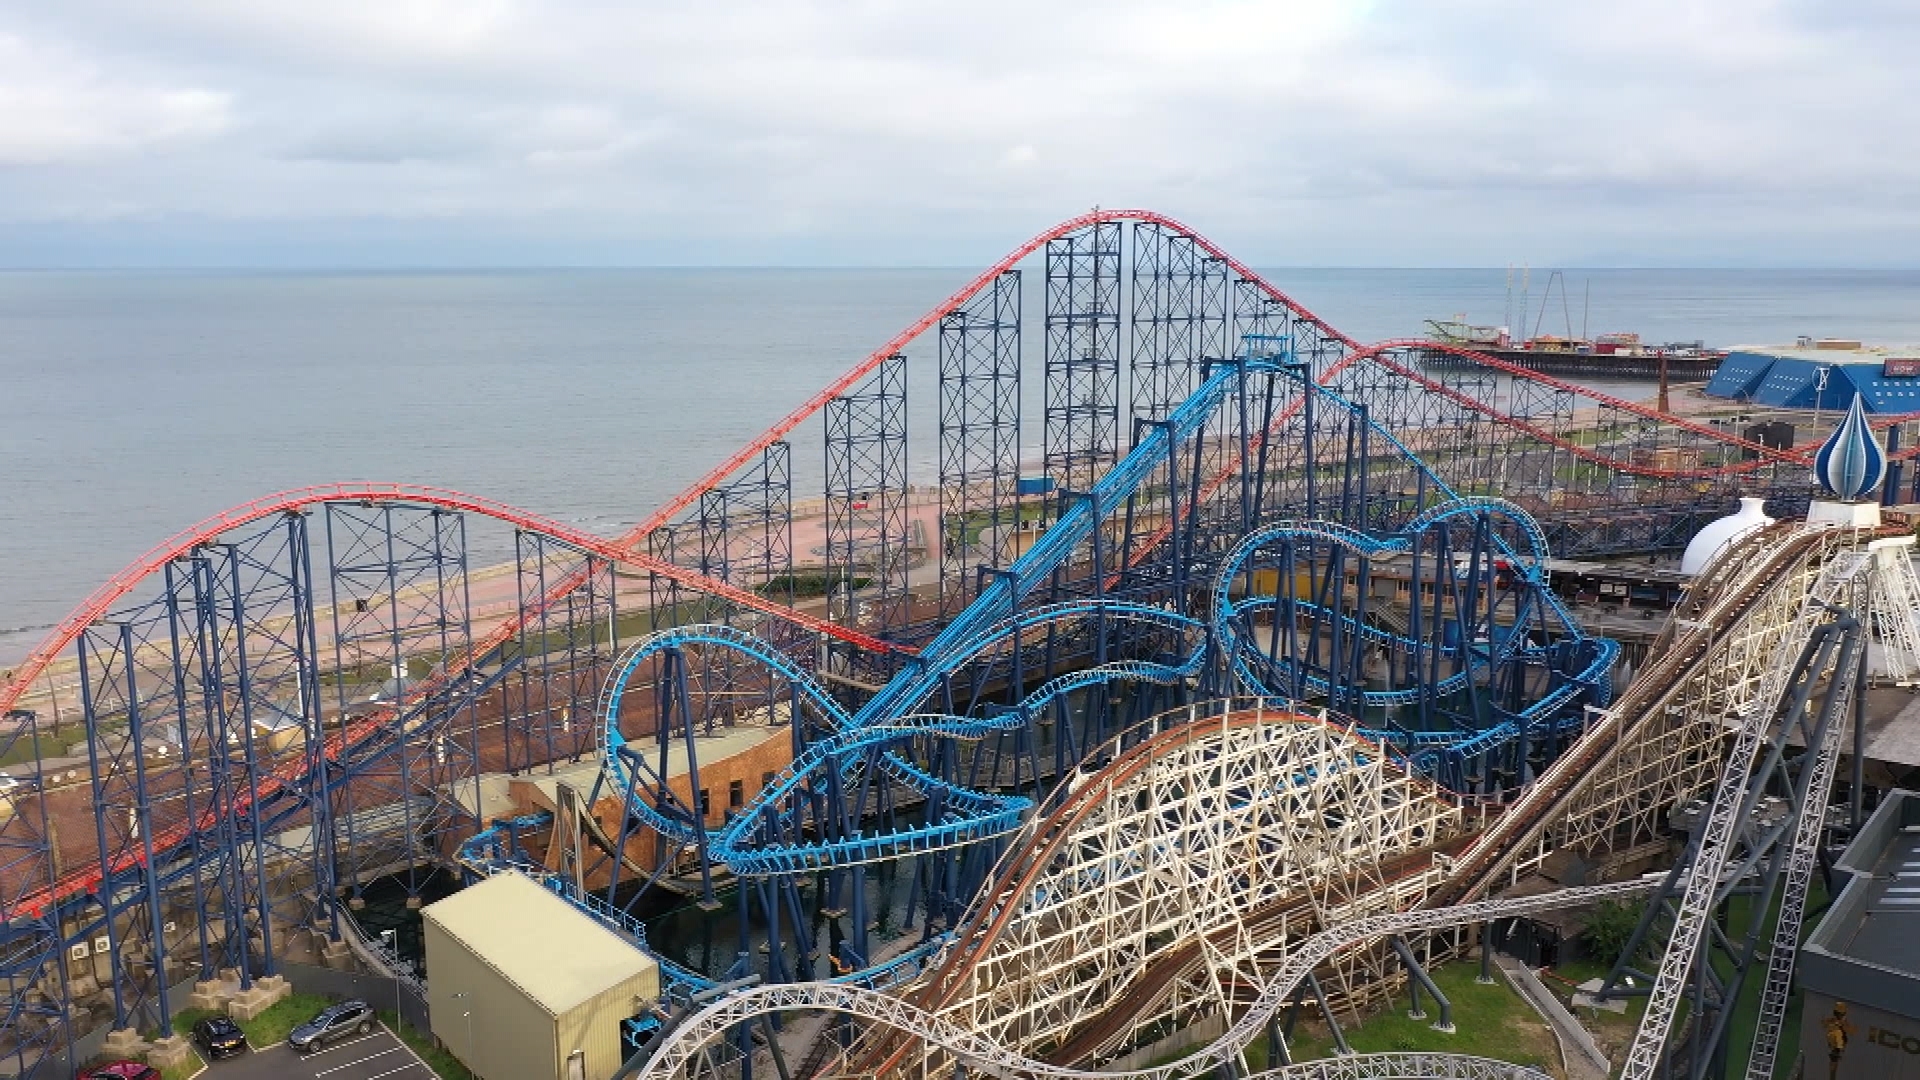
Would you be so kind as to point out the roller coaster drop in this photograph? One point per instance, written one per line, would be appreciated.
(291, 700)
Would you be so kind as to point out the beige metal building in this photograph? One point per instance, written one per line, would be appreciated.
(523, 986)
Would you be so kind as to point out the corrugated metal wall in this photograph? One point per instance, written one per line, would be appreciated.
(508, 1036)
(593, 1026)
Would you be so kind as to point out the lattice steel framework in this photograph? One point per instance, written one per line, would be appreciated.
(980, 507)
(1180, 317)
(284, 774)
(1603, 475)
(1083, 354)
(867, 526)
(561, 653)
(33, 948)
(746, 527)
(398, 579)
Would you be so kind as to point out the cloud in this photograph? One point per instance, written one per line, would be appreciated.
(1323, 130)
(390, 140)
(57, 108)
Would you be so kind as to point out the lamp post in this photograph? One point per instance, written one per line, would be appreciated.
(391, 943)
(466, 1013)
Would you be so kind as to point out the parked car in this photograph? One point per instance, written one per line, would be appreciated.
(335, 1022)
(120, 1070)
(219, 1037)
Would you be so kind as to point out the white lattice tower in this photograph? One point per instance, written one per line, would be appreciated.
(1894, 605)
(1720, 835)
(1802, 858)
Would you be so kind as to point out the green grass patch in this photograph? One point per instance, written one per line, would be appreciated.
(184, 1020)
(274, 1025)
(445, 1065)
(807, 584)
(1491, 1021)
(42, 745)
(185, 1069)
(966, 528)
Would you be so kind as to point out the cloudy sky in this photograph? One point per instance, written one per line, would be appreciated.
(1312, 132)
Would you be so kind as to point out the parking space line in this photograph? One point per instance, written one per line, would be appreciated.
(411, 1052)
(357, 1061)
(401, 1069)
(340, 1046)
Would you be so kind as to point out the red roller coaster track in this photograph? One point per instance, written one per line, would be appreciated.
(625, 547)
(206, 532)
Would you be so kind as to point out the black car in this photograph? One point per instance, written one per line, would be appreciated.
(334, 1023)
(219, 1037)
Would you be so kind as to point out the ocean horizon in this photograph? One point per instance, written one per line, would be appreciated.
(146, 400)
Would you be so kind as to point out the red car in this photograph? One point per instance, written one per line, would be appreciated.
(120, 1070)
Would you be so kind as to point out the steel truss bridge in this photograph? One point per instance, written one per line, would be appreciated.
(283, 704)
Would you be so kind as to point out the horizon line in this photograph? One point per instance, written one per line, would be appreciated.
(319, 267)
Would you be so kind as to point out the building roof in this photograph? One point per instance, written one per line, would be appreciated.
(1791, 378)
(1867, 947)
(556, 954)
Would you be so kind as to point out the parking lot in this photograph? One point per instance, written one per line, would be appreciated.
(378, 1056)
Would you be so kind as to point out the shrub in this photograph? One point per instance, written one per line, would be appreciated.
(1608, 928)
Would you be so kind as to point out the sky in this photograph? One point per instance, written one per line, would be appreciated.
(626, 132)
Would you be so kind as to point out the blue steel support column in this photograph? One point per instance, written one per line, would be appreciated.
(675, 683)
(214, 698)
(136, 725)
(866, 510)
(323, 855)
(979, 437)
(253, 769)
(100, 810)
(36, 1026)
(397, 573)
(1083, 354)
(188, 762)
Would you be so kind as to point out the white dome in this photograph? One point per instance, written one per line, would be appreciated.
(1721, 534)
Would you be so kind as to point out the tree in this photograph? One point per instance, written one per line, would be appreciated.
(1607, 929)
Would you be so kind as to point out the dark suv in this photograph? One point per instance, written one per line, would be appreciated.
(334, 1023)
(219, 1037)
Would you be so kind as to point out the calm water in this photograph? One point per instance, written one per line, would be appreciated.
(139, 403)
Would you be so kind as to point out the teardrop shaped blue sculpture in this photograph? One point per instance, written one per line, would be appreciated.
(1851, 462)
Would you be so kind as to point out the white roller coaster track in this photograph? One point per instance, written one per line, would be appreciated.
(1879, 582)
(1730, 805)
(688, 1042)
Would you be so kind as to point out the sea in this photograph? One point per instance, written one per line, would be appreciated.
(137, 403)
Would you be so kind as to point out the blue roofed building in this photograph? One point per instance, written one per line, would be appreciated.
(1821, 375)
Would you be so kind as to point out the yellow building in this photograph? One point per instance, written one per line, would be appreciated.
(521, 985)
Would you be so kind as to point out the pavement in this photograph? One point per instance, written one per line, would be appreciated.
(376, 1056)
